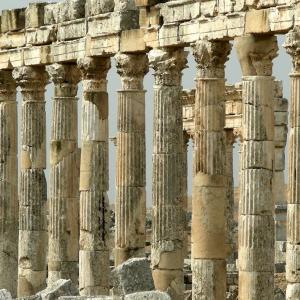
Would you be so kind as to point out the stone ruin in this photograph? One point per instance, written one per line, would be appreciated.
(63, 234)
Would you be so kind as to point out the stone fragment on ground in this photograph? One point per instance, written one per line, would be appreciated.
(151, 295)
(132, 276)
(88, 298)
(61, 287)
(5, 295)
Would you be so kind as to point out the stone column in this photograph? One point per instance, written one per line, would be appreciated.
(8, 184)
(210, 182)
(185, 198)
(230, 239)
(94, 253)
(64, 176)
(168, 215)
(33, 187)
(131, 159)
(279, 188)
(292, 45)
(256, 209)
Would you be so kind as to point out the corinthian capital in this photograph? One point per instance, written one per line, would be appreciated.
(94, 68)
(7, 85)
(132, 68)
(29, 76)
(168, 65)
(256, 54)
(292, 46)
(211, 57)
(63, 73)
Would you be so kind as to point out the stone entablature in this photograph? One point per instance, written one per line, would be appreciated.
(65, 31)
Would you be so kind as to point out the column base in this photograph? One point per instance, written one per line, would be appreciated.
(209, 278)
(123, 254)
(170, 281)
(256, 285)
(293, 291)
(91, 281)
(30, 282)
(63, 270)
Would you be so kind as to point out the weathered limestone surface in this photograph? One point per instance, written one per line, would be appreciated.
(279, 189)
(132, 276)
(184, 187)
(292, 45)
(64, 176)
(153, 295)
(131, 157)
(5, 295)
(230, 240)
(33, 189)
(107, 27)
(94, 253)
(209, 168)
(58, 288)
(168, 212)
(8, 183)
(256, 209)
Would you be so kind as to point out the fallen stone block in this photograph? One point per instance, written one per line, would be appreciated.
(132, 276)
(88, 298)
(61, 287)
(33, 297)
(5, 295)
(152, 295)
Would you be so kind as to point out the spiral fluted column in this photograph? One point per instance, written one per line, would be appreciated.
(33, 187)
(292, 45)
(131, 157)
(94, 268)
(256, 209)
(8, 183)
(64, 176)
(209, 181)
(168, 214)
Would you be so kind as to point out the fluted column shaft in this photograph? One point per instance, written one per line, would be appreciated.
(168, 215)
(230, 238)
(94, 268)
(209, 181)
(131, 157)
(256, 208)
(64, 176)
(185, 198)
(279, 187)
(292, 45)
(8, 183)
(33, 188)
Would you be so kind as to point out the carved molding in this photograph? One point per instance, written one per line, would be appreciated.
(256, 54)
(63, 73)
(168, 65)
(132, 68)
(292, 46)
(211, 58)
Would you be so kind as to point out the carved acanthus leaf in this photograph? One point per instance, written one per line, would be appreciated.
(211, 57)
(168, 65)
(292, 45)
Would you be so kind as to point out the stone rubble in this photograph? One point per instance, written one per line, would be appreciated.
(132, 276)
